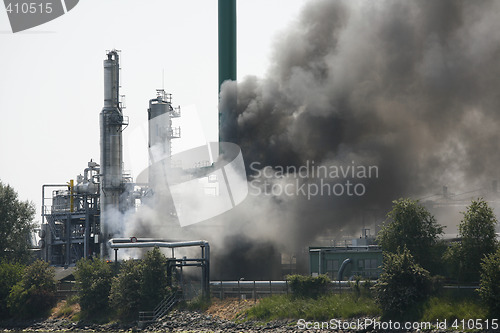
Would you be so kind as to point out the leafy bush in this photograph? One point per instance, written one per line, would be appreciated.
(308, 286)
(478, 239)
(140, 285)
(125, 296)
(10, 274)
(154, 284)
(35, 294)
(402, 285)
(411, 225)
(489, 286)
(93, 280)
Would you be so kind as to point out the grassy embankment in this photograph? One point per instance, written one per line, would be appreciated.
(341, 306)
(348, 305)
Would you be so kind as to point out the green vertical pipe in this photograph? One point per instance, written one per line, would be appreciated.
(227, 47)
(227, 40)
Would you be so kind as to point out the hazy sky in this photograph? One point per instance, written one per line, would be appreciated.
(51, 83)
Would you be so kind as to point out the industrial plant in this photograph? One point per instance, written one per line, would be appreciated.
(277, 123)
(85, 217)
(347, 182)
(82, 216)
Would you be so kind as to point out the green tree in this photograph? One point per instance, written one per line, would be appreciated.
(410, 225)
(478, 238)
(35, 294)
(140, 285)
(93, 280)
(489, 286)
(402, 285)
(10, 274)
(15, 225)
(125, 294)
(154, 284)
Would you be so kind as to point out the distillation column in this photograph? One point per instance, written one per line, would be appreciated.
(111, 125)
(161, 133)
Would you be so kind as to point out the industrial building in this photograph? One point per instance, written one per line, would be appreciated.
(86, 218)
(361, 257)
(81, 217)
(71, 219)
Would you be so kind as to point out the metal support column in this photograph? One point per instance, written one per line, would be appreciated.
(86, 234)
(68, 240)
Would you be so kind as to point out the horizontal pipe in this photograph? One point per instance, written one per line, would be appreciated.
(141, 240)
(283, 283)
(356, 247)
(114, 245)
(189, 265)
(197, 260)
(247, 283)
(261, 283)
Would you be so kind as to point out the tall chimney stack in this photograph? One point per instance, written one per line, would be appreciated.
(227, 51)
(111, 125)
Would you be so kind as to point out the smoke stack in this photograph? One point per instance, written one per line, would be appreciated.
(111, 126)
(227, 54)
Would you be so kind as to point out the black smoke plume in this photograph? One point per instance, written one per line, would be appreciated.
(412, 87)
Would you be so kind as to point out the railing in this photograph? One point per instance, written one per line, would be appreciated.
(248, 289)
(65, 290)
(161, 309)
(174, 132)
(176, 113)
(259, 289)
